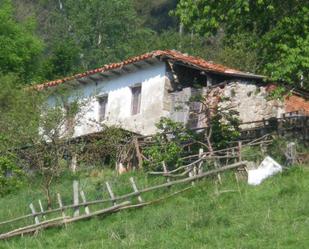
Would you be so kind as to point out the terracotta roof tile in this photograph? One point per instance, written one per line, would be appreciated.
(164, 54)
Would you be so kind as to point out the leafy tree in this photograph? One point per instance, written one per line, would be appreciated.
(280, 29)
(19, 113)
(109, 31)
(19, 46)
(88, 34)
(36, 132)
(64, 59)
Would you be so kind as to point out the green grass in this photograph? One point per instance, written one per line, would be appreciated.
(272, 215)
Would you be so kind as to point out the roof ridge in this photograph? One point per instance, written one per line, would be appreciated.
(171, 54)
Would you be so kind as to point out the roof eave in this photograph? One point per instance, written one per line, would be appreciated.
(241, 75)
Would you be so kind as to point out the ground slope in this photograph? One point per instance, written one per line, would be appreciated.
(272, 215)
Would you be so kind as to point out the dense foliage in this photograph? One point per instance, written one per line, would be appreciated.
(44, 40)
(19, 46)
(11, 176)
(19, 113)
(110, 31)
(277, 29)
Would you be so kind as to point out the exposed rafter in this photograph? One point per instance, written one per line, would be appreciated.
(136, 65)
(82, 81)
(116, 73)
(94, 79)
(126, 69)
(104, 76)
(149, 62)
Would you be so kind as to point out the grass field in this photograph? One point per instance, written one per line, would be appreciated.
(272, 215)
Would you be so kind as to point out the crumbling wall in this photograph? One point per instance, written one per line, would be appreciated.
(248, 99)
(179, 107)
(251, 101)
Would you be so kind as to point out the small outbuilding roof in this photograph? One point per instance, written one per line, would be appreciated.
(168, 55)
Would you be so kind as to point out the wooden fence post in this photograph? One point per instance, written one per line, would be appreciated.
(135, 189)
(36, 218)
(73, 163)
(227, 157)
(200, 165)
(60, 205)
(218, 175)
(110, 192)
(234, 155)
(42, 210)
(75, 198)
(165, 171)
(239, 151)
(82, 194)
(191, 174)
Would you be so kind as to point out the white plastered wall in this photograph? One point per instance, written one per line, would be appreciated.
(118, 111)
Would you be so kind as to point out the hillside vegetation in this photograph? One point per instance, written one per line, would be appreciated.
(44, 40)
(272, 215)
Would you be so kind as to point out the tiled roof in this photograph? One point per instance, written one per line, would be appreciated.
(163, 54)
(296, 103)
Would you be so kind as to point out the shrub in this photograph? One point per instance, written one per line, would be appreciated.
(167, 144)
(11, 176)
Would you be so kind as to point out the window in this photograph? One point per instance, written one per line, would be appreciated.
(136, 99)
(102, 107)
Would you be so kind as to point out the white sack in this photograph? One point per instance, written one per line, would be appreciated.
(267, 168)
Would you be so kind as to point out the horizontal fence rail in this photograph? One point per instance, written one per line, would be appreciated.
(125, 203)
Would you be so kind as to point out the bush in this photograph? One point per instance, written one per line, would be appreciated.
(167, 144)
(11, 176)
(253, 153)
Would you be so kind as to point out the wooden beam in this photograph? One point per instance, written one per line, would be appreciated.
(105, 76)
(149, 62)
(94, 79)
(82, 81)
(116, 73)
(126, 69)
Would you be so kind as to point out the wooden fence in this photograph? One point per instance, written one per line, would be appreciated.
(130, 200)
(193, 170)
(291, 124)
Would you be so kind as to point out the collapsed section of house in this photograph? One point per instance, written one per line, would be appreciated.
(136, 93)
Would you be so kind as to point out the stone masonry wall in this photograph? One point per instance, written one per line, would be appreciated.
(251, 102)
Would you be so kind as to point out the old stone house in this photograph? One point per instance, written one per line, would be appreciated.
(136, 93)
